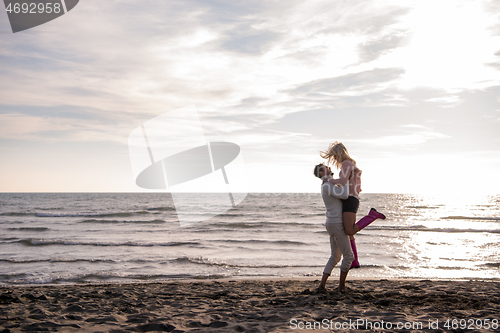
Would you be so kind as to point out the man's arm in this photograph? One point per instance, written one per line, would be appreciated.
(337, 191)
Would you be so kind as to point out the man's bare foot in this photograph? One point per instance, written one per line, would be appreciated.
(342, 289)
(321, 289)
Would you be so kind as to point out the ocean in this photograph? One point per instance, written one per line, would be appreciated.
(73, 238)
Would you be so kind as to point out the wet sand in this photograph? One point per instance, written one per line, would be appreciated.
(252, 306)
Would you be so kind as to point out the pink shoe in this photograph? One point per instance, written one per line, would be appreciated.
(373, 212)
(372, 216)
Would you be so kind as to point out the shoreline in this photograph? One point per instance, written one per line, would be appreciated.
(244, 278)
(244, 305)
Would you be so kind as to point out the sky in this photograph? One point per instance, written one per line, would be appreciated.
(412, 88)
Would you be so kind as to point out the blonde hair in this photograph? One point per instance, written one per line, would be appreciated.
(336, 154)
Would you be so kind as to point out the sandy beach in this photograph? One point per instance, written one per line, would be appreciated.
(253, 306)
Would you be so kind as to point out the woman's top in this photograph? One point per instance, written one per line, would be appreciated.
(349, 171)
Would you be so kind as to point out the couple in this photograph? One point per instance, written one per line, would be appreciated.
(341, 198)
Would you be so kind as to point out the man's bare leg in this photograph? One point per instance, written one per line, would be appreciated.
(322, 284)
(343, 277)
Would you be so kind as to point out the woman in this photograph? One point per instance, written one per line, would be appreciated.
(338, 155)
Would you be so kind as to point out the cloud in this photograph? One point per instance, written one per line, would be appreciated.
(50, 129)
(217, 12)
(373, 49)
(362, 81)
(495, 64)
(368, 18)
(414, 126)
(402, 140)
(446, 101)
(244, 39)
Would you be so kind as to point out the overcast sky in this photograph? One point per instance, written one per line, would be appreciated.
(412, 88)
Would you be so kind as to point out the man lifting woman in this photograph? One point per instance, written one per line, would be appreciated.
(341, 198)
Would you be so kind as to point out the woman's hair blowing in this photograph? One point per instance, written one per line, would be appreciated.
(336, 154)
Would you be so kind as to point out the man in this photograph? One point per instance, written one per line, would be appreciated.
(340, 244)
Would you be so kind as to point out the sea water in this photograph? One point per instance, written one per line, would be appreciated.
(127, 237)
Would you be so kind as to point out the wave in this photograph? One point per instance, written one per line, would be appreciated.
(492, 264)
(6, 239)
(471, 218)
(49, 208)
(15, 214)
(204, 261)
(233, 214)
(121, 221)
(22, 279)
(426, 229)
(29, 229)
(423, 207)
(7, 276)
(162, 209)
(417, 227)
(112, 214)
(31, 261)
(249, 225)
(119, 214)
(265, 241)
(45, 242)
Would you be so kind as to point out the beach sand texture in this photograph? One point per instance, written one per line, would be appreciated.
(249, 306)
